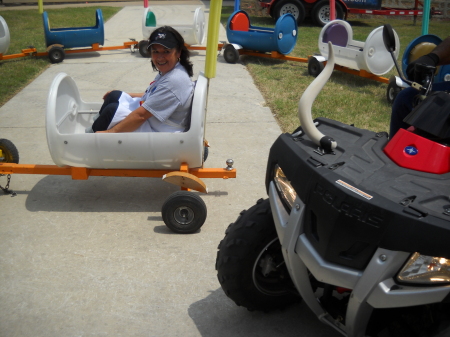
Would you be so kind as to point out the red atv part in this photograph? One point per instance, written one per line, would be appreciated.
(414, 152)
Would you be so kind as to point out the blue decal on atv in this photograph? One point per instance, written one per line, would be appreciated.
(411, 150)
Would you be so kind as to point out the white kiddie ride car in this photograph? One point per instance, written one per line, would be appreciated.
(176, 157)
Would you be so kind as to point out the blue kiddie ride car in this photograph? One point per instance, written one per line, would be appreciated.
(242, 35)
(418, 47)
(74, 37)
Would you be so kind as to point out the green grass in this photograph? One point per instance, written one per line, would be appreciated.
(26, 29)
(348, 98)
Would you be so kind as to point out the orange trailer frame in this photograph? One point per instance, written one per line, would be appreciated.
(95, 47)
(279, 56)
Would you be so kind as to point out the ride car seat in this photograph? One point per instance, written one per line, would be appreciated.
(68, 115)
(192, 34)
(4, 36)
(337, 34)
(370, 55)
(240, 22)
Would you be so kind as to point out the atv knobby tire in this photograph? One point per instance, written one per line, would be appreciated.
(250, 265)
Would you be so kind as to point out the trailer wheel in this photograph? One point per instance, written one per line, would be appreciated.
(184, 212)
(143, 48)
(10, 154)
(293, 7)
(230, 54)
(205, 153)
(321, 12)
(56, 54)
(392, 91)
(315, 67)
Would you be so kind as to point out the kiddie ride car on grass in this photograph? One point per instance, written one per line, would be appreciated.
(62, 41)
(59, 39)
(367, 59)
(356, 225)
(176, 157)
(246, 39)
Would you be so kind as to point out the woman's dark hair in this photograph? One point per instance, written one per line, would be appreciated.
(181, 47)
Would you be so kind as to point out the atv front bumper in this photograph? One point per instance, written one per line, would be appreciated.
(373, 287)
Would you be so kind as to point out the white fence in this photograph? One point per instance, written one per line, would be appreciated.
(441, 5)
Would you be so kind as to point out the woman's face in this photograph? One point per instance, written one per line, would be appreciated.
(164, 59)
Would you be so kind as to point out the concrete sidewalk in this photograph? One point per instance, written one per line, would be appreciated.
(94, 258)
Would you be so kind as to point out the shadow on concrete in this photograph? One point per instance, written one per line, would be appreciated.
(218, 316)
(98, 194)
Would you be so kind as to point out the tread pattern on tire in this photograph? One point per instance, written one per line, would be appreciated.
(195, 201)
(10, 150)
(301, 9)
(253, 229)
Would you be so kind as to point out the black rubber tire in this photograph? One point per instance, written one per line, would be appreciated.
(56, 54)
(315, 67)
(320, 13)
(143, 49)
(184, 212)
(205, 153)
(9, 151)
(294, 7)
(249, 242)
(271, 12)
(392, 91)
(230, 54)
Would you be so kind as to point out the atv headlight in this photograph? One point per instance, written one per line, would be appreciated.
(285, 190)
(426, 270)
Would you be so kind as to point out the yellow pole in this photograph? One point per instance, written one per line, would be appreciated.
(212, 38)
(41, 6)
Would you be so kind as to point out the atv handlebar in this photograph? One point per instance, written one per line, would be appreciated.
(389, 43)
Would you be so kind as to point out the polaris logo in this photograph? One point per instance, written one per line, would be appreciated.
(355, 211)
(411, 150)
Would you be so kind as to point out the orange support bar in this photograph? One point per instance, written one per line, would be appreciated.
(362, 73)
(273, 55)
(94, 47)
(184, 168)
(24, 53)
(81, 173)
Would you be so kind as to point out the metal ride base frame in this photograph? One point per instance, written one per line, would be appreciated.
(94, 48)
(279, 56)
(83, 173)
(183, 212)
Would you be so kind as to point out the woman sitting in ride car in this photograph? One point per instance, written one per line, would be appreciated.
(166, 104)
